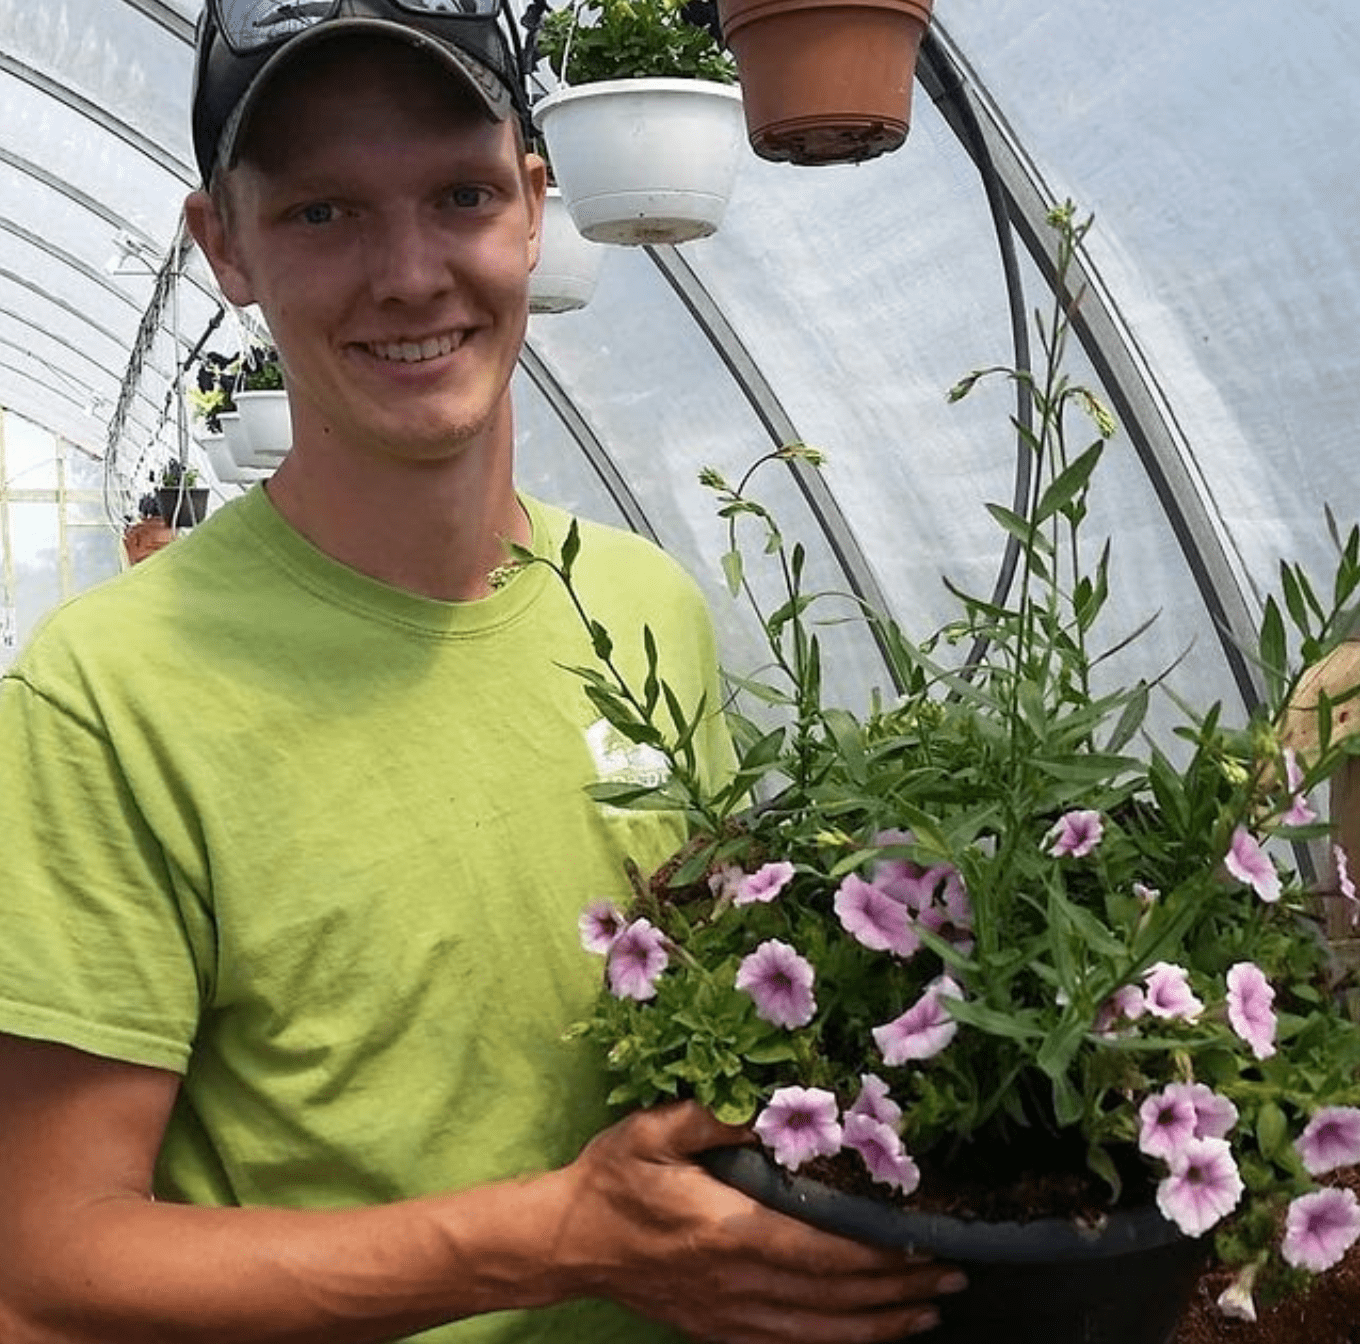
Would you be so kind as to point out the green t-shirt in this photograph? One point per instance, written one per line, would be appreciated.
(320, 845)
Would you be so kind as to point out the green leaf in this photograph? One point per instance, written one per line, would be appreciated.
(1067, 1107)
(1020, 529)
(1130, 719)
(1012, 1025)
(1272, 649)
(1272, 1131)
(570, 548)
(1061, 1045)
(732, 568)
(601, 642)
(1068, 483)
(846, 734)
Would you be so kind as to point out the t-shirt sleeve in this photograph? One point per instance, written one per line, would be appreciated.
(100, 944)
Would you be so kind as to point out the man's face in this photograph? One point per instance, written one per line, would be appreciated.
(386, 229)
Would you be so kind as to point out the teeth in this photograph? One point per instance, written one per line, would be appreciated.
(413, 352)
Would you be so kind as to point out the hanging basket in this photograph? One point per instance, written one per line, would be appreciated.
(181, 507)
(1053, 1281)
(222, 463)
(235, 437)
(267, 425)
(825, 81)
(568, 264)
(143, 539)
(644, 160)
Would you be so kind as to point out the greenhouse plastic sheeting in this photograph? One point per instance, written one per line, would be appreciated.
(1212, 141)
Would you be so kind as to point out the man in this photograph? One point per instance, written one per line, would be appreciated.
(295, 818)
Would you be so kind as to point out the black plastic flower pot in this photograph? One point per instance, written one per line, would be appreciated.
(182, 508)
(1051, 1281)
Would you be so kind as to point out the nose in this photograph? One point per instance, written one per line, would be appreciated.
(407, 260)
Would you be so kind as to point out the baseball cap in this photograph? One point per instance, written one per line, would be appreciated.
(242, 44)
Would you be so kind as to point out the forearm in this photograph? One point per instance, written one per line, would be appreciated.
(128, 1269)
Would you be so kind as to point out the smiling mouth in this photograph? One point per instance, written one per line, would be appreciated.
(415, 352)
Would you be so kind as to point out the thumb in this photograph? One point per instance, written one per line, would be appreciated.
(680, 1129)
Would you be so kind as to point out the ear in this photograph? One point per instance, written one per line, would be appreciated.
(212, 232)
(535, 188)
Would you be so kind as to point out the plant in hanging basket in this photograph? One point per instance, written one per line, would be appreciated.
(181, 500)
(987, 950)
(260, 370)
(632, 39)
(644, 129)
(210, 397)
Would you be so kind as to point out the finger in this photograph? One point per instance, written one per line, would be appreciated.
(680, 1129)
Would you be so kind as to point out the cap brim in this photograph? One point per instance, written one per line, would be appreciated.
(487, 88)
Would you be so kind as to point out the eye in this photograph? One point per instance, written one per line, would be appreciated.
(318, 212)
(468, 198)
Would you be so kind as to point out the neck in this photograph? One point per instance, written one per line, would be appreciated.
(436, 528)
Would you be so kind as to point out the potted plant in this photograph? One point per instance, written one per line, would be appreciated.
(568, 267)
(211, 396)
(148, 534)
(218, 423)
(644, 129)
(825, 81)
(262, 403)
(1013, 984)
(180, 498)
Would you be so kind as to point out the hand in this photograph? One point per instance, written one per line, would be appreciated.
(648, 1227)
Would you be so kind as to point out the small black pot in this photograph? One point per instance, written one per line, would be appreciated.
(182, 508)
(1051, 1281)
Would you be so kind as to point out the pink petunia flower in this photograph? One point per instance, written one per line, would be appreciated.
(1330, 1139)
(1075, 835)
(1166, 1124)
(1169, 994)
(874, 1101)
(1215, 1115)
(1125, 1004)
(1320, 1227)
(636, 959)
(1299, 813)
(780, 982)
(764, 884)
(938, 889)
(1249, 1008)
(600, 924)
(881, 1148)
(873, 918)
(1202, 1188)
(800, 1123)
(1249, 863)
(924, 1029)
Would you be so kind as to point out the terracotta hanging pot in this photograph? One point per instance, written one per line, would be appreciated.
(825, 81)
(145, 538)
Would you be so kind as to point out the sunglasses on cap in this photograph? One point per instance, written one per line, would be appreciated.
(250, 26)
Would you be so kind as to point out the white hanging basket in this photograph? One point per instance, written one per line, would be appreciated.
(644, 160)
(568, 264)
(237, 440)
(223, 465)
(268, 426)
